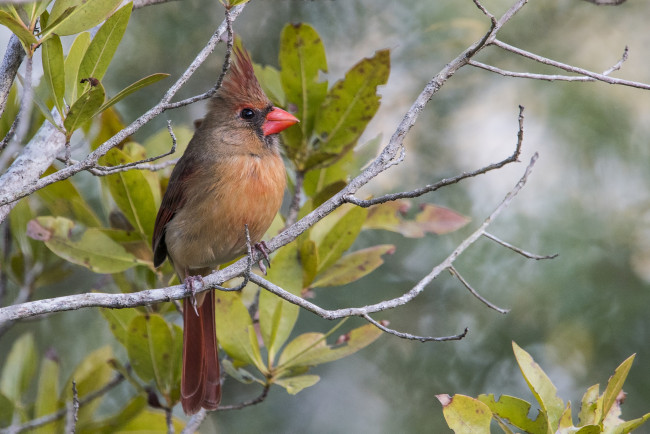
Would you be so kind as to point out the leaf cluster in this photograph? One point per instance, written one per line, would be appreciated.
(73, 83)
(598, 413)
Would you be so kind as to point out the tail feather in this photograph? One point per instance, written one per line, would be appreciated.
(201, 377)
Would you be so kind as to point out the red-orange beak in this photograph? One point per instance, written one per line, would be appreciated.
(277, 120)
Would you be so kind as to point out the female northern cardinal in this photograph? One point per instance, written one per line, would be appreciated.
(231, 175)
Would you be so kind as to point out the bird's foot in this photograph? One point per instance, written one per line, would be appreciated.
(190, 283)
(263, 249)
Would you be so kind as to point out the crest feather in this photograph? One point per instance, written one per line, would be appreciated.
(240, 83)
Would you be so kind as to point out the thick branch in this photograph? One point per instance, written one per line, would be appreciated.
(12, 60)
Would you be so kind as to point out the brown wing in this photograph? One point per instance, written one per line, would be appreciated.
(172, 201)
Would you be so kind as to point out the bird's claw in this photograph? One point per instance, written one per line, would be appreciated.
(190, 284)
(263, 249)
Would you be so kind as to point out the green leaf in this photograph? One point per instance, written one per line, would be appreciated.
(87, 247)
(48, 387)
(566, 422)
(18, 28)
(465, 415)
(118, 321)
(310, 349)
(102, 48)
(302, 59)
(515, 411)
(631, 425)
(71, 66)
(309, 261)
(589, 406)
(44, 109)
(150, 343)
(135, 192)
(233, 324)
(354, 266)
(239, 374)
(348, 107)
(541, 386)
(117, 421)
(231, 3)
(37, 8)
(19, 368)
(143, 82)
(341, 236)
(150, 421)
(90, 375)
(6, 411)
(84, 108)
(298, 383)
(615, 385)
(277, 316)
(50, 25)
(86, 15)
(63, 199)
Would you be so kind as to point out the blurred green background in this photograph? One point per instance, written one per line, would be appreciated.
(579, 315)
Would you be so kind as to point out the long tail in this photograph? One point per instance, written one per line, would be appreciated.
(200, 382)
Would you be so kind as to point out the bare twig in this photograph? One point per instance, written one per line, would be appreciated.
(224, 69)
(169, 420)
(606, 2)
(262, 396)
(386, 329)
(517, 249)
(108, 170)
(72, 411)
(137, 4)
(447, 181)
(483, 300)
(565, 67)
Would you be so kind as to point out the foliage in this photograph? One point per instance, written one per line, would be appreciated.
(598, 413)
(73, 84)
(60, 228)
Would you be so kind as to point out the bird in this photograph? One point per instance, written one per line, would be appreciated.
(231, 175)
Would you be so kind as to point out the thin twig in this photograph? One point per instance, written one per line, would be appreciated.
(517, 249)
(482, 299)
(447, 181)
(169, 420)
(224, 69)
(569, 68)
(108, 170)
(262, 396)
(72, 411)
(409, 336)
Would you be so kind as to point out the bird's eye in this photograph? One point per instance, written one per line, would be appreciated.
(247, 114)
